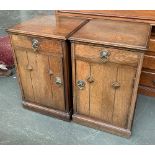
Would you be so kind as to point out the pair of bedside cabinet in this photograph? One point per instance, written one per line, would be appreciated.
(80, 69)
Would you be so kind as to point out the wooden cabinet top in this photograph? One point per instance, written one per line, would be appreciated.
(116, 33)
(59, 27)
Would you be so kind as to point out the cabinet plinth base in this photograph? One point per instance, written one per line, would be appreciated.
(46, 111)
(93, 123)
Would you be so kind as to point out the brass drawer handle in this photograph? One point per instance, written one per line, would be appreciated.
(29, 67)
(104, 55)
(58, 81)
(35, 44)
(81, 84)
(116, 85)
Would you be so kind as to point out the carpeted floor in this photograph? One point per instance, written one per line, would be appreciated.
(21, 126)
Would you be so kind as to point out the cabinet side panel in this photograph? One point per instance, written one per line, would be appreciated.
(125, 77)
(58, 90)
(25, 77)
(82, 73)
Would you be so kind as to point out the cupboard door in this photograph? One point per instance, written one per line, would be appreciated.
(82, 97)
(42, 78)
(125, 76)
(57, 81)
(101, 94)
(96, 98)
(106, 92)
(47, 80)
(24, 73)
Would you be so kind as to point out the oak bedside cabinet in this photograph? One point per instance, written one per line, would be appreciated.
(107, 57)
(42, 55)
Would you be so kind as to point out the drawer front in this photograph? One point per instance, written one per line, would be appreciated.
(37, 44)
(147, 79)
(96, 54)
(149, 62)
(152, 45)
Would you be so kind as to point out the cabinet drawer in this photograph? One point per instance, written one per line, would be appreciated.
(94, 54)
(149, 62)
(36, 43)
(152, 44)
(147, 79)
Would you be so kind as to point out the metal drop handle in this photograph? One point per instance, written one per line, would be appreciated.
(104, 55)
(58, 81)
(81, 84)
(35, 44)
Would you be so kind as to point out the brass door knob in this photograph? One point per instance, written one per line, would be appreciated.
(35, 44)
(104, 55)
(116, 85)
(81, 84)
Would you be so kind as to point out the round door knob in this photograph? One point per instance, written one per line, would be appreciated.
(116, 85)
(35, 44)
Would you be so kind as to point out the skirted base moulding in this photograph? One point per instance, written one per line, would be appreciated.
(100, 125)
(46, 111)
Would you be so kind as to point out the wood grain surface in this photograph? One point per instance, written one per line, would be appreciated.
(116, 33)
(59, 27)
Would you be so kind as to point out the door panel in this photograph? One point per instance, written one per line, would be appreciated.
(41, 79)
(109, 70)
(100, 99)
(125, 77)
(101, 93)
(58, 90)
(96, 91)
(25, 76)
(82, 98)
(38, 74)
